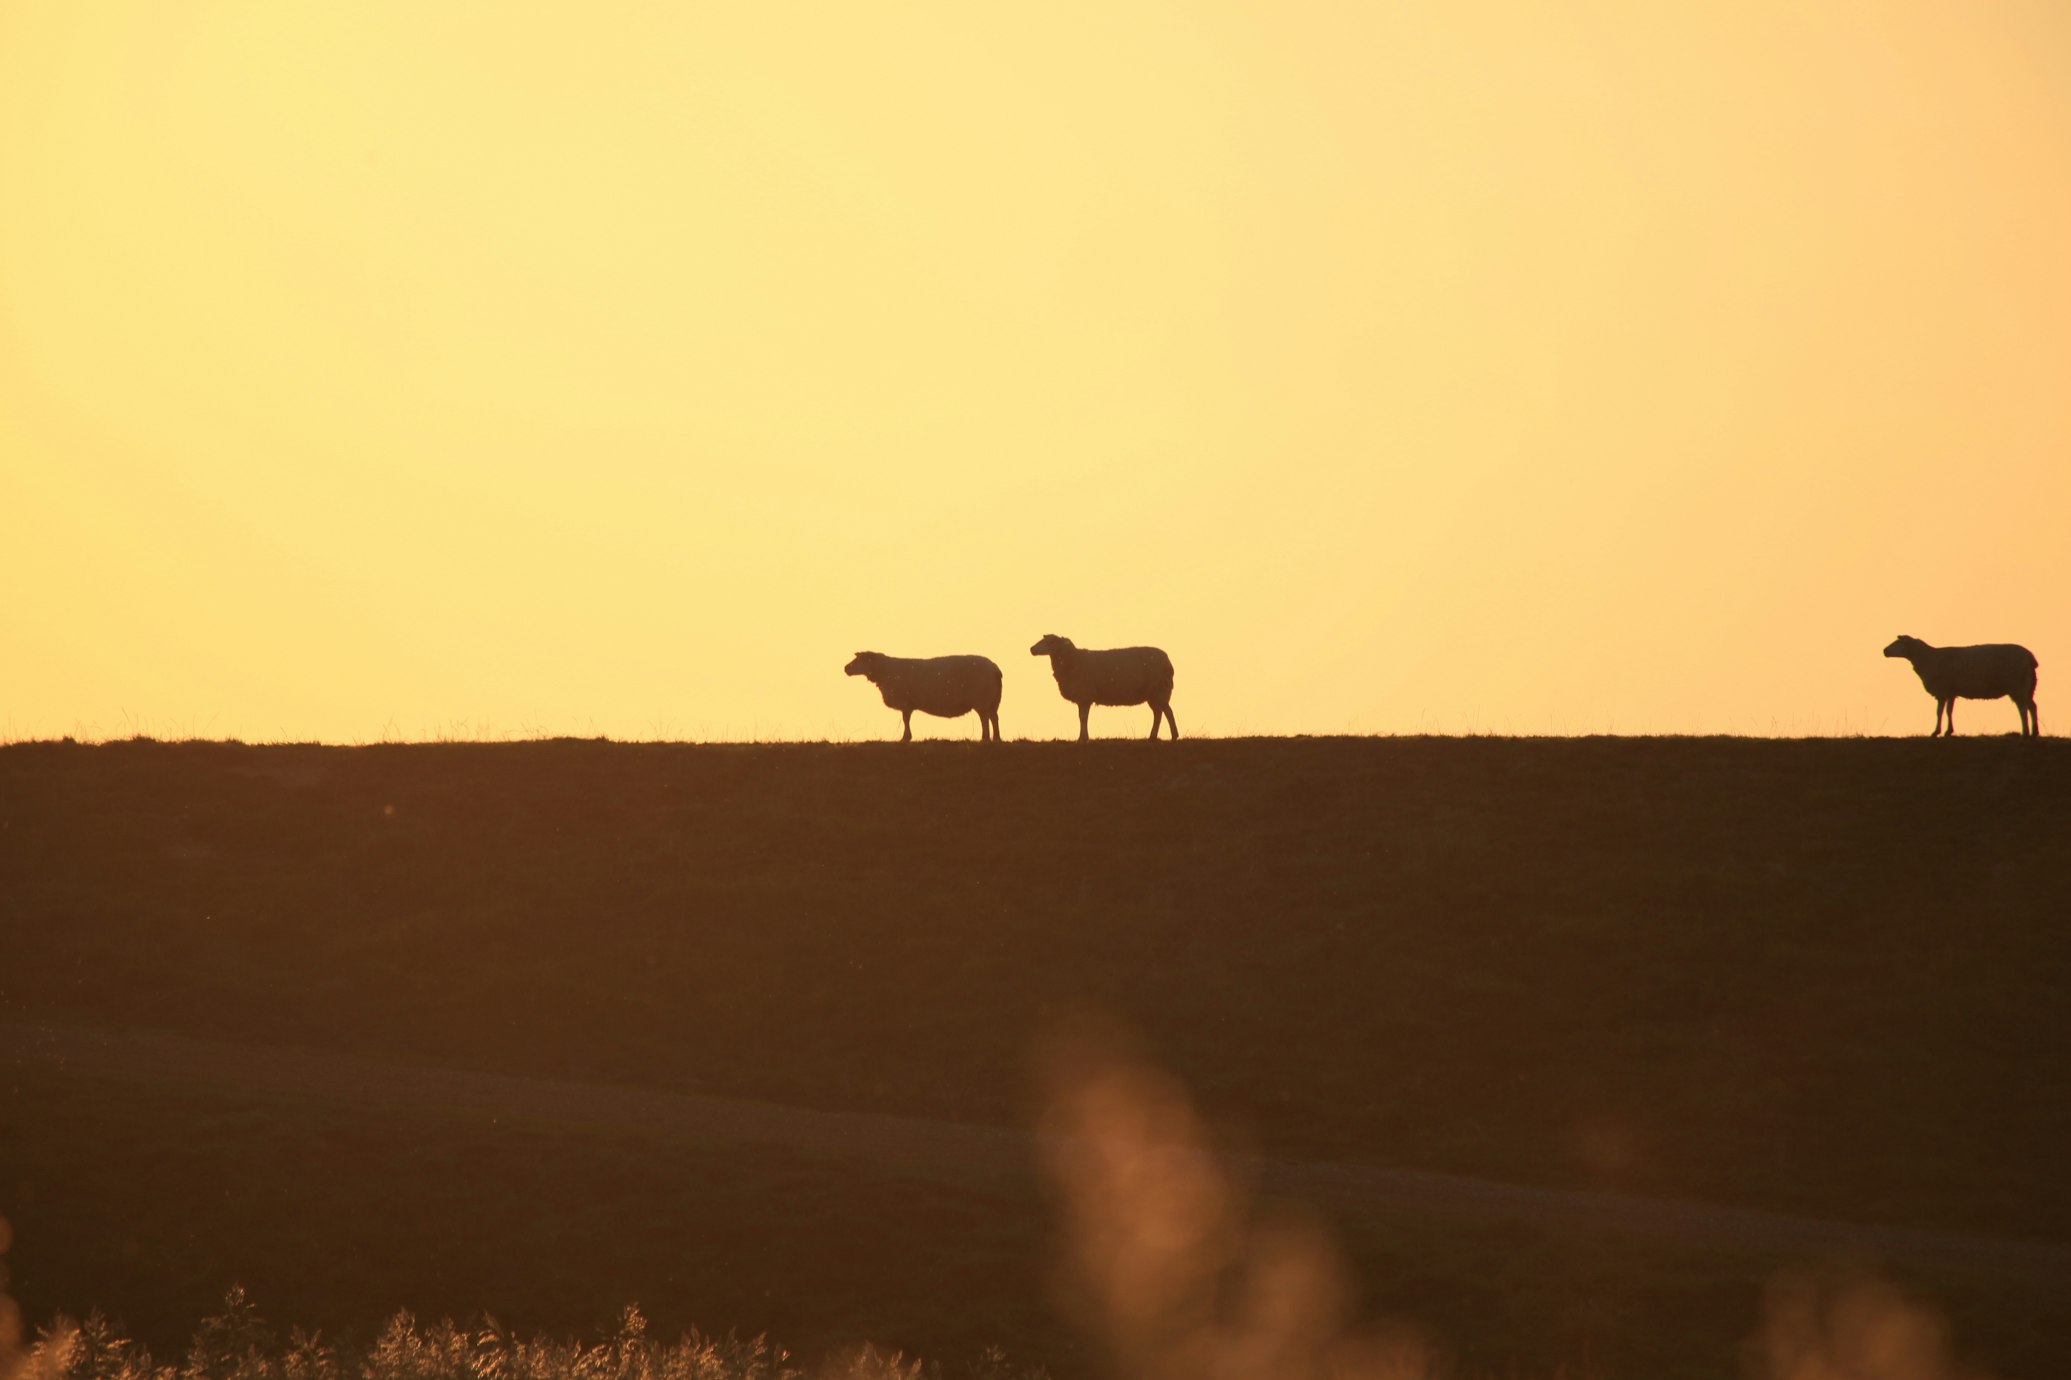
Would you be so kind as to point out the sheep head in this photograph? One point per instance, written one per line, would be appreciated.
(865, 664)
(1051, 645)
(1905, 646)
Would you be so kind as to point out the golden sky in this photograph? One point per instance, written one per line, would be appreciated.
(406, 369)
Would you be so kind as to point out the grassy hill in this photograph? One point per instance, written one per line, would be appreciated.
(1823, 977)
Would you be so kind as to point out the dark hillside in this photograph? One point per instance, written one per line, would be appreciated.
(1823, 977)
(1807, 975)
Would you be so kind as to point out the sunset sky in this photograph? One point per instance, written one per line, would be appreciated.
(402, 370)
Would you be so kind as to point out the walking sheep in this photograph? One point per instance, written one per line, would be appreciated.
(1973, 673)
(1125, 675)
(946, 686)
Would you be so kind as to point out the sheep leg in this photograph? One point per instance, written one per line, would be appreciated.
(1085, 713)
(1171, 722)
(907, 716)
(1155, 718)
(1952, 718)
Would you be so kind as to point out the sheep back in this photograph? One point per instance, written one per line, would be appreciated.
(1116, 676)
(1983, 672)
(945, 686)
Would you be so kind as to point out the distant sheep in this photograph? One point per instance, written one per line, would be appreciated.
(1973, 673)
(945, 686)
(1125, 675)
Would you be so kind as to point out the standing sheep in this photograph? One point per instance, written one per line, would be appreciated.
(946, 686)
(1973, 673)
(1125, 675)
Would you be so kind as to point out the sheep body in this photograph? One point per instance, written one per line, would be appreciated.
(946, 686)
(1116, 676)
(1988, 672)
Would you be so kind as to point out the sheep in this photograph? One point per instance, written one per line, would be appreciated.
(1973, 673)
(1125, 675)
(946, 686)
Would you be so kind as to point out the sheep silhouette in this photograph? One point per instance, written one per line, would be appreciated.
(1989, 672)
(946, 686)
(1122, 675)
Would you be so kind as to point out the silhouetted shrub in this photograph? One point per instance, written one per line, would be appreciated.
(236, 1343)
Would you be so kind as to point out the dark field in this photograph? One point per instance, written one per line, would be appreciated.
(1815, 977)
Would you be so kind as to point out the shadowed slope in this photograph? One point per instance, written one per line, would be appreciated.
(1799, 977)
(1808, 976)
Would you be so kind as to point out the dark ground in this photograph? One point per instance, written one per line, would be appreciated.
(1807, 976)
